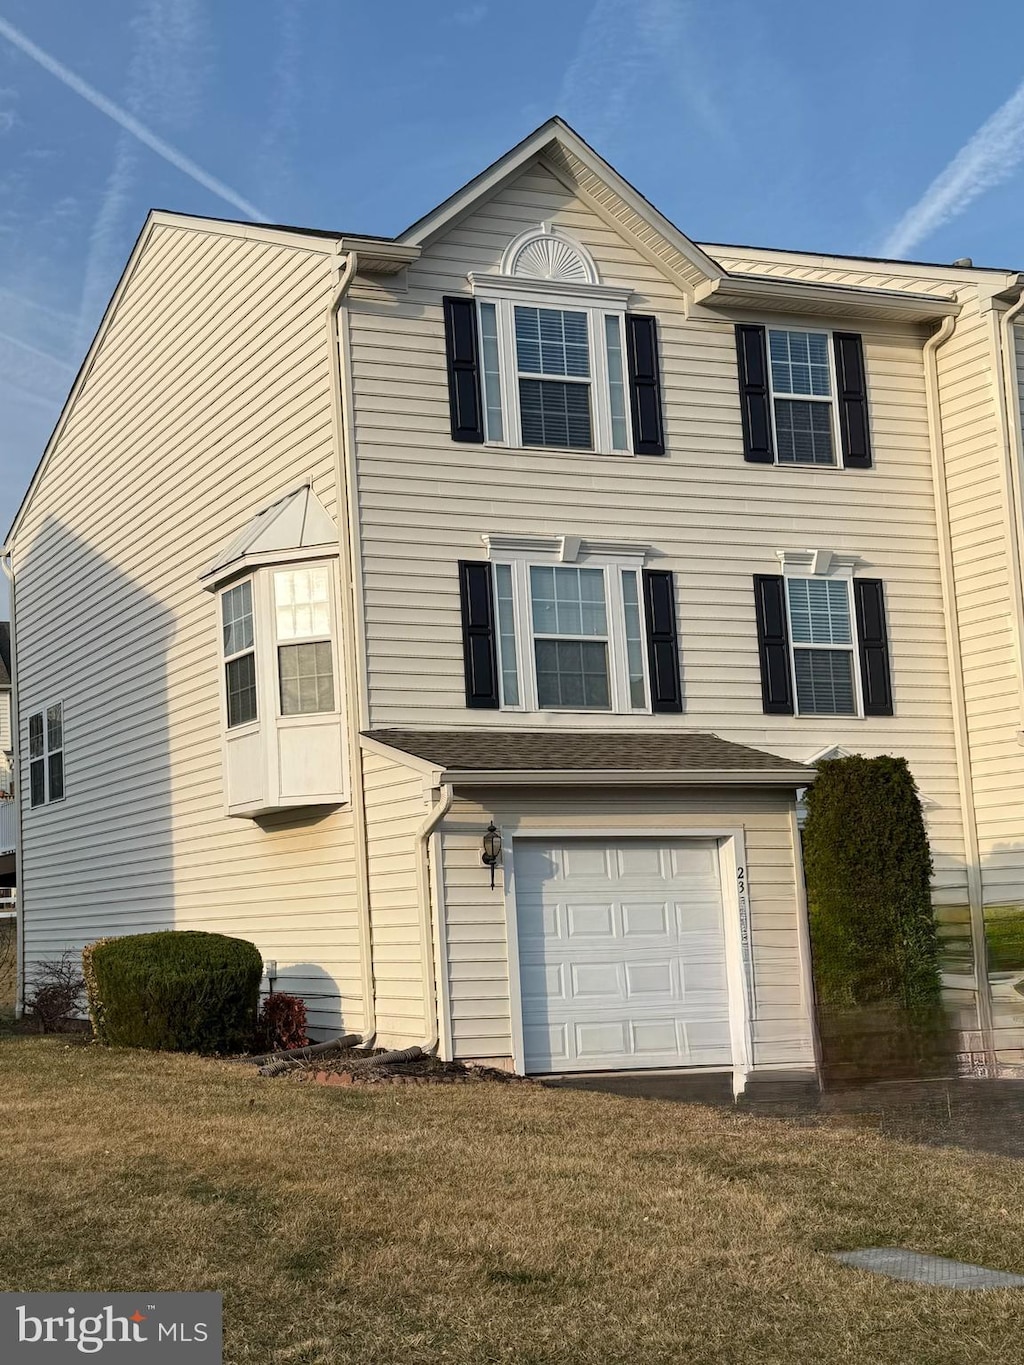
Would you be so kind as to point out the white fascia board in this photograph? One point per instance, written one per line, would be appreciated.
(555, 130)
(259, 232)
(419, 765)
(760, 293)
(379, 255)
(956, 277)
(248, 563)
(632, 777)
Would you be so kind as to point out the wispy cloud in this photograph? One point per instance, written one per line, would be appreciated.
(624, 44)
(470, 15)
(986, 160)
(129, 122)
(164, 80)
(278, 143)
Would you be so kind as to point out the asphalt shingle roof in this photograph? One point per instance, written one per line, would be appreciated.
(508, 750)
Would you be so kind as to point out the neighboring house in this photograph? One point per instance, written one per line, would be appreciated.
(8, 810)
(539, 515)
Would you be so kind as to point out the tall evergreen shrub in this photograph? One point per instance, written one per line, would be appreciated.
(177, 990)
(868, 869)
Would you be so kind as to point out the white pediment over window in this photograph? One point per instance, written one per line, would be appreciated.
(546, 253)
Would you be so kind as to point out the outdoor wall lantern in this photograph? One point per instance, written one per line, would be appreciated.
(492, 849)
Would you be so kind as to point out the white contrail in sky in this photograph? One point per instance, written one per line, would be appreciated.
(129, 123)
(984, 161)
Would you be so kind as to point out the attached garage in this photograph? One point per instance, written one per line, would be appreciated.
(646, 910)
(622, 953)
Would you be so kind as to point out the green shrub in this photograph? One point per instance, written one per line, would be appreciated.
(92, 994)
(868, 869)
(179, 991)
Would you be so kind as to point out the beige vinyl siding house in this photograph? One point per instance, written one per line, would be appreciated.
(207, 395)
(486, 501)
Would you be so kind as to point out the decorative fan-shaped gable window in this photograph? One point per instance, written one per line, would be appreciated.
(552, 352)
(544, 254)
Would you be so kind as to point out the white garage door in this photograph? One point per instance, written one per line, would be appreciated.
(621, 954)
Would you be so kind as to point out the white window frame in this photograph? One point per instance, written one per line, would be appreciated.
(597, 302)
(811, 564)
(225, 658)
(831, 400)
(42, 712)
(613, 566)
(304, 717)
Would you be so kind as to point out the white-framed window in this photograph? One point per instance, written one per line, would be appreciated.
(803, 385)
(552, 342)
(570, 636)
(238, 638)
(46, 754)
(823, 646)
(553, 374)
(305, 652)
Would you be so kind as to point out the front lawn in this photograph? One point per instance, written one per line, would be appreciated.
(488, 1223)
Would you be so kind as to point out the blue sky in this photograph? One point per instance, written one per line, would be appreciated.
(776, 122)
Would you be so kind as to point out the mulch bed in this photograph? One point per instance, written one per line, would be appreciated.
(335, 1068)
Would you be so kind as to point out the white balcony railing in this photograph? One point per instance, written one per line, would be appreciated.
(8, 900)
(8, 826)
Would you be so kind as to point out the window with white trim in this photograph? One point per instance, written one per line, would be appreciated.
(824, 653)
(239, 645)
(553, 377)
(800, 365)
(46, 755)
(570, 637)
(552, 348)
(305, 664)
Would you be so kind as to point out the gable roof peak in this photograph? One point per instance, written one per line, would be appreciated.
(564, 152)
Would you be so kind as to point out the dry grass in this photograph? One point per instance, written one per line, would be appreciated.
(8, 965)
(488, 1223)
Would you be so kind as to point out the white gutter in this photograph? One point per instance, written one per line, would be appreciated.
(1014, 501)
(429, 931)
(975, 897)
(354, 700)
(634, 777)
(7, 565)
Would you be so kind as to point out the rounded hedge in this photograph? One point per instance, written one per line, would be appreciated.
(177, 991)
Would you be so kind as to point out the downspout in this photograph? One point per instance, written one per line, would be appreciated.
(1010, 404)
(354, 701)
(975, 899)
(428, 929)
(7, 564)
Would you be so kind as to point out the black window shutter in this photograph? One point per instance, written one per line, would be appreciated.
(869, 600)
(773, 644)
(752, 357)
(644, 384)
(460, 340)
(853, 400)
(662, 640)
(479, 653)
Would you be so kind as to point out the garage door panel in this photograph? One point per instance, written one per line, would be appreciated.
(646, 919)
(598, 980)
(622, 954)
(542, 980)
(588, 921)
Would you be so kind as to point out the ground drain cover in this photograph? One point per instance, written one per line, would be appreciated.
(912, 1265)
